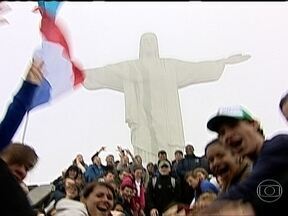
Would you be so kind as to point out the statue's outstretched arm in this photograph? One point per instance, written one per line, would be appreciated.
(188, 73)
(110, 76)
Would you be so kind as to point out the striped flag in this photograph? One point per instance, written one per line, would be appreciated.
(60, 73)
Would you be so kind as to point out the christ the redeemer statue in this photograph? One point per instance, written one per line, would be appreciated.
(150, 85)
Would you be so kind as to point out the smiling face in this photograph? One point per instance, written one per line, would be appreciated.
(192, 182)
(242, 137)
(20, 159)
(164, 170)
(138, 173)
(71, 189)
(100, 201)
(19, 171)
(109, 177)
(127, 193)
(222, 162)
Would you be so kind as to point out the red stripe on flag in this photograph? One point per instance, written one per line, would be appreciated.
(53, 33)
(78, 75)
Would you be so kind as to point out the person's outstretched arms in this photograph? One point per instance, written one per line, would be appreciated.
(20, 104)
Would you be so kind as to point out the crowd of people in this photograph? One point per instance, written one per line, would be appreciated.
(241, 173)
(139, 189)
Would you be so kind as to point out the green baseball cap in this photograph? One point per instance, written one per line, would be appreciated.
(228, 114)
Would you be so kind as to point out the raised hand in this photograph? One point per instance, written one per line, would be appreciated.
(128, 151)
(119, 148)
(35, 74)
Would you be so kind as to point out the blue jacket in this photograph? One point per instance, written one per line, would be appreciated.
(205, 186)
(267, 186)
(93, 172)
(15, 113)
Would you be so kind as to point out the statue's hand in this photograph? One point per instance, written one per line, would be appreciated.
(234, 59)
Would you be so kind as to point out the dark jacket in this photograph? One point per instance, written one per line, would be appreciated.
(13, 198)
(163, 193)
(189, 162)
(15, 113)
(174, 168)
(127, 208)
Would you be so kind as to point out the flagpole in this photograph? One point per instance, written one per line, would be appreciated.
(25, 127)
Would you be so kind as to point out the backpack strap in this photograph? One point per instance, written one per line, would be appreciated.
(173, 182)
(154, 180)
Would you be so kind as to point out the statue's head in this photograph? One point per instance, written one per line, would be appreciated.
(148, 46)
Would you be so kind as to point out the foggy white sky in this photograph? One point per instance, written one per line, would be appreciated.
(103, 33)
